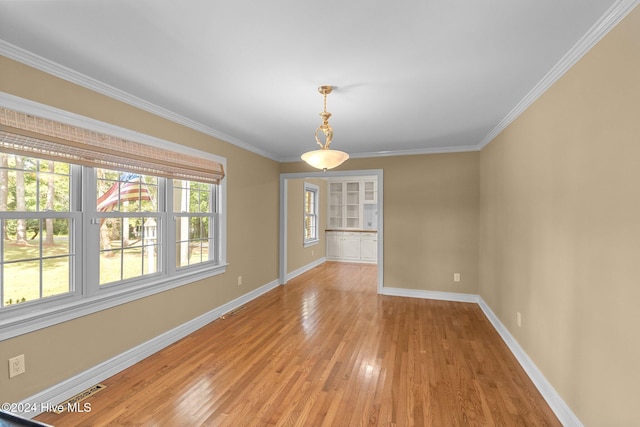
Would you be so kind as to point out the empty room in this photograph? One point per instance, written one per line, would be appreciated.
(349, 213)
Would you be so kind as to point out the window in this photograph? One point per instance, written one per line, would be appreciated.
(129, 218)
(310, 214)
(37, 224)
(194, 206)
(83, 232)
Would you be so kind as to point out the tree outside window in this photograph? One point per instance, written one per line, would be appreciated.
(37, 229)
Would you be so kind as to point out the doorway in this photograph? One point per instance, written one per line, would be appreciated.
(283, 235)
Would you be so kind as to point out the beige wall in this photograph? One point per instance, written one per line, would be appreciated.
(430, 219)
(544, 221)
(61, 351)
(560, 230)
(297, 255)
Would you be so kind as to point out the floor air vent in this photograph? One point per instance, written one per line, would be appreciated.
(75, 400)
(233, 313)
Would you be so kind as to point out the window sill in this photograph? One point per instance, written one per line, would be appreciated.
(36, 319)
(308, 243)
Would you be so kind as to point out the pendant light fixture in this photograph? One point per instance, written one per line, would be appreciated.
(325, 158)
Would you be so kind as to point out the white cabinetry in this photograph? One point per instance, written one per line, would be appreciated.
(352, 246)
(336, 205)
(353, 219)
(334, 245)
(349, 202)
(369, 247)
(353, 205)
(344, 205)
(370, 191)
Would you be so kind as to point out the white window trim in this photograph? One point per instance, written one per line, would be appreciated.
(316, 190)
(66, 307)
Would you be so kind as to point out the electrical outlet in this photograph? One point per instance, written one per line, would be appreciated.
(456, 277)
(239, 280)
(519, 319)
(16, 366)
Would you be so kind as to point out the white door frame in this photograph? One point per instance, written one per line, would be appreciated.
(284, 177)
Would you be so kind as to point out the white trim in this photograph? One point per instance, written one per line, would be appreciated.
(284, 177)
(549, 394)
(31, 59)
(65, 308)
(610, 19)
(43, 318)
(312, 188)
(444, 296)
(309, 243)
(412, 152)
(305, 268)
(26, 106)
(70, 387)
(282, 244)
(607, 21)
(352, 261)
(558, 406)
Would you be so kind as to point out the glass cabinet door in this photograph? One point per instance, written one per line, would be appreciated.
(335, 205)
(369, 192)
(348, 201)
(353, 205)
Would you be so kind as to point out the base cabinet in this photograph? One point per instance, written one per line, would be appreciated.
(352, 246)
(369, 247)
(334, 246)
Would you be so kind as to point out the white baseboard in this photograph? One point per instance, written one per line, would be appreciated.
(415, 293)
(74, 385)
(305, 268)
(550, 395)
(78, 383)
(559, 407)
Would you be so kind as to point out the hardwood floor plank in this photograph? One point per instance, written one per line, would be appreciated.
(326, 350)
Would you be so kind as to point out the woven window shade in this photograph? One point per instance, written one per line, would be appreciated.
(27, 135)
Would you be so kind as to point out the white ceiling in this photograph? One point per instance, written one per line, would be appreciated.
(412, 76)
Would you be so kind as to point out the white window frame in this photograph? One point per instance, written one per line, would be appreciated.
(87, 296)
(214, 228)
(93, 257)
(308, 187)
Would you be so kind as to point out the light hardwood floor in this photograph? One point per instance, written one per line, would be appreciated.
(326, 350)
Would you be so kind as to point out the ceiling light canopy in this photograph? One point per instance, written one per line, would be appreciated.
(325, 158)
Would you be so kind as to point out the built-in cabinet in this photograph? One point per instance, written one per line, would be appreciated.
(370, 193)
(369, 247)
(352, 246)
(350, 201)
(353, 220)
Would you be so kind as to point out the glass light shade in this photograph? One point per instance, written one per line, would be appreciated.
(324, 159)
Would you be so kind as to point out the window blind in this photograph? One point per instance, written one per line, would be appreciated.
(27, 135)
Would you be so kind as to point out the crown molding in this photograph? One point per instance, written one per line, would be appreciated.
(610, 19)
(413, 152)
(432, 150)
(31, 59)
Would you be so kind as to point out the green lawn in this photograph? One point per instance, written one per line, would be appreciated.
(22, 279)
